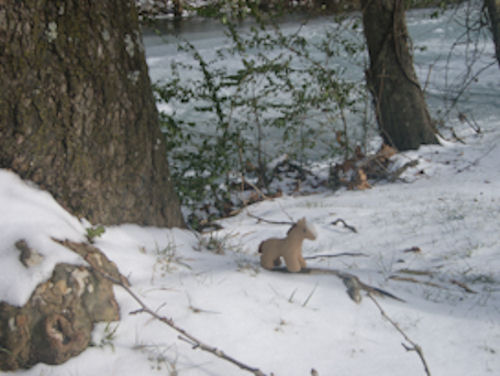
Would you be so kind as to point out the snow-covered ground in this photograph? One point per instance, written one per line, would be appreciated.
(290, 323)
(448, 206)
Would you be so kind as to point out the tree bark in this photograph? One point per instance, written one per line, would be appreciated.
(494, 15)
(77, 114)
(402, 115)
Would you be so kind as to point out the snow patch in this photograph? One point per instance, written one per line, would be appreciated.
(34, 216)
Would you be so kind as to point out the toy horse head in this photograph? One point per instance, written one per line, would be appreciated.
(303, 229)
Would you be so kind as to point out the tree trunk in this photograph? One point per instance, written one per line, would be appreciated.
(77, 114)
(400, 106)
(178, 9)
(494, 14)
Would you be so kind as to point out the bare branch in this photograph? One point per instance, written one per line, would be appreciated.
(464, 286)
(455, 282)
(414, 280)
(349, 254)
(260, 219)
(352, 228)
(196, 343)
(414, 347)
(393, 176)
(354, 284)
(184, 335)
(310, 295)
(259, 191)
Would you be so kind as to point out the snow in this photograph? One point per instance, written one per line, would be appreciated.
(33, 215)
(288, 324)
(448, 206)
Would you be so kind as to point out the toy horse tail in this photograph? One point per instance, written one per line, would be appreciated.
(260, 247)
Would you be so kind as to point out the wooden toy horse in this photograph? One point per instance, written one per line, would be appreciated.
(290, 248)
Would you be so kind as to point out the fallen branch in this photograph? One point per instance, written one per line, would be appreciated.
(414, 347)
(415, 272)
(352, 228)
(393, 176)
(476, 161)
(348, 254)
(196, 343)
(259, 192)
(354, 284)
(464, 286)
(414, 280)
(260, 219)
(413, 249)
(184, 335)
(310, 295)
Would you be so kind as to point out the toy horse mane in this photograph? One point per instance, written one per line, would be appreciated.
(308, 226)
(291, 228)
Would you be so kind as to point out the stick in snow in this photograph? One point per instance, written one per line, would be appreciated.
(354, 284)
(331, 255)
(352, 228)
(414, 346)
(120, 280)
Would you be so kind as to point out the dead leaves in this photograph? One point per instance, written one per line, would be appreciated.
(356, 172)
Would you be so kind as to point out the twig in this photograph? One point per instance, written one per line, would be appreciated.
(121, 281)
(477, 160)
(352, 228)
(414, 280)
(184, 334)
(432, 284)
(415, 272)
(310, 295)
(349, 254)
(284, 211)
(465, 84)
(414, 347)
(396, 174)
(259, 191)
(196, 309)
(464, 286)
(269, 221)
(354, 284)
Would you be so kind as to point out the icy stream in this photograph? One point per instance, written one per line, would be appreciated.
(445, 55)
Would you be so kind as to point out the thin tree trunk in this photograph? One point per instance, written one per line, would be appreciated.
(178, 9)
(77, 114)
(400, 106)
(494, 14)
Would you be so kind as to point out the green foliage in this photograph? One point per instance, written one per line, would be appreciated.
(95, 232)
(287, 87)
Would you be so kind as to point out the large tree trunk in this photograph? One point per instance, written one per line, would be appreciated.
(400, 106)
(494, 14)
(77, 114)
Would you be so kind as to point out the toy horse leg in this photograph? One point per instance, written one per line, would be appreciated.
(292, 262)
(302, 261)
(269, 259)
(265, 261)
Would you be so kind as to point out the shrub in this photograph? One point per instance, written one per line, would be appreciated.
(287, 93)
